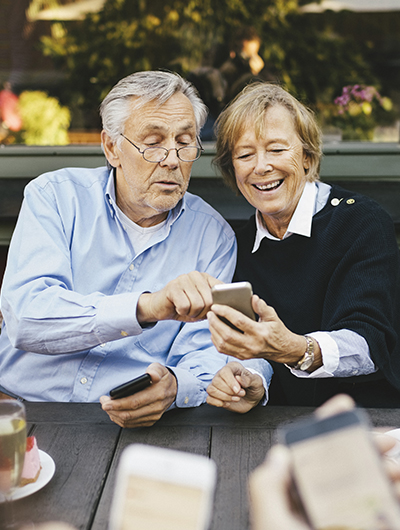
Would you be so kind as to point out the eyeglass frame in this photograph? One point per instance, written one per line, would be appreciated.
(167, 151)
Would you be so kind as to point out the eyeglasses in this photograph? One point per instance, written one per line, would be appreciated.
(187, 153)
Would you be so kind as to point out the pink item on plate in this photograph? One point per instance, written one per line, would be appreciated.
(32, 467)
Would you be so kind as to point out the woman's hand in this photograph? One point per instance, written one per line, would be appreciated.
(235, 388)
(268, 338)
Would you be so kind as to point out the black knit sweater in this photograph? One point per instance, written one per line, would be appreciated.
(345, 276)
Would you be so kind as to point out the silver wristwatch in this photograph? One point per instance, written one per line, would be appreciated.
(308, 358)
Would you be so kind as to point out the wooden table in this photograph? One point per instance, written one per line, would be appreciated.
(86, 447)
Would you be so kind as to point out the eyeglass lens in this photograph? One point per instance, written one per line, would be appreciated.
(158, 154)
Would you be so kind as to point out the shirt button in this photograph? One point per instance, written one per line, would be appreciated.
(84, 380)
(124, 333)
(186, 400)
(102, 345)
(131, 267)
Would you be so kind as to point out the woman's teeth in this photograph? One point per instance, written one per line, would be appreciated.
(270, 186)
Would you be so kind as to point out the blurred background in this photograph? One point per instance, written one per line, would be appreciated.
(59, 58)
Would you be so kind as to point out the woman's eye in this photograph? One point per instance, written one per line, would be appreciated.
(244, 156)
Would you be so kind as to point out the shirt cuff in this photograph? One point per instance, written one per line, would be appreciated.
(116, 317)
(330, 357)
(191, 392)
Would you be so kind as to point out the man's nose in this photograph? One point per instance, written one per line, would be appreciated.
(172, 159)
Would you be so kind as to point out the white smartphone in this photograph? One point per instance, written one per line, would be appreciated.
(338, 473)
(162, 488)
(237, 295)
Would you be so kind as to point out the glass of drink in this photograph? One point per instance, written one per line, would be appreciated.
(12, 448)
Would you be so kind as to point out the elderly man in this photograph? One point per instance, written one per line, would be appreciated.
(99, 256)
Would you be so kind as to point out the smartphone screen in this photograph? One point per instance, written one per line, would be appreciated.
(162, 489)
(153, 504)
(338, 474)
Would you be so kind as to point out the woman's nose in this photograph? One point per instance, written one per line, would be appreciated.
(263, 164)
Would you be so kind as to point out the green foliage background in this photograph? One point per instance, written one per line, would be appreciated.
(45, 122)
(313, 60)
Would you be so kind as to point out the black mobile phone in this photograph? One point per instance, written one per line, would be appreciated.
(131, 387)
(338, 473)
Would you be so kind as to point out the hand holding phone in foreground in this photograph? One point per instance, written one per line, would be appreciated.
(273, 505)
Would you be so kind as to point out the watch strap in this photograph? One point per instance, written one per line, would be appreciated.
(308, 358)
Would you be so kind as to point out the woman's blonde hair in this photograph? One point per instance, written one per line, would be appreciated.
(248, 110)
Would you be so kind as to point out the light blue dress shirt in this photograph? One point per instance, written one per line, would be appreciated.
(72, 284)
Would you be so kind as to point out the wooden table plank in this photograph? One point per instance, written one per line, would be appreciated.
(188, 438)
(260, 417)
(236, 453)
(63, 413)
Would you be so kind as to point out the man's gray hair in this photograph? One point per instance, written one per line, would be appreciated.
(148, 86)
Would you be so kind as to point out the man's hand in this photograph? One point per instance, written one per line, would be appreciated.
(187, 298)
(235, 388)
(268, 338)
(146, 407)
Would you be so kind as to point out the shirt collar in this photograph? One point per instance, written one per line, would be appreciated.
(314, 197)
(112, 201)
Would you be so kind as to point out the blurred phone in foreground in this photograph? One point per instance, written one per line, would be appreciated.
(338, 473)
(159, 488)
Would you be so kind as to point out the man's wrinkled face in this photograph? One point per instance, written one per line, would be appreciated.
(146, 191)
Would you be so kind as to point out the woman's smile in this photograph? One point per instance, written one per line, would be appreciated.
(270, 168)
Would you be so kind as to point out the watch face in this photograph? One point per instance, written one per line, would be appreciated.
(306, 363)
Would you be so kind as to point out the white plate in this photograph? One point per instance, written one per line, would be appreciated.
(45, 475)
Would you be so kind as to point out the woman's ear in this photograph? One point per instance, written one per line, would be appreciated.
(306, 162)
(110, 149)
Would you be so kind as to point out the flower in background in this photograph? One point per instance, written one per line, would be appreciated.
(358, 110)
(358, 98)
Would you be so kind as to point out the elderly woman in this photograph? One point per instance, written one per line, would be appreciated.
(323, 261)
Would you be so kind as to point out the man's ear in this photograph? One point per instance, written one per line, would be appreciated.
(110, 149)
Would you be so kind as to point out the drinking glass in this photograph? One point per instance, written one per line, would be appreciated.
(12, 450)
